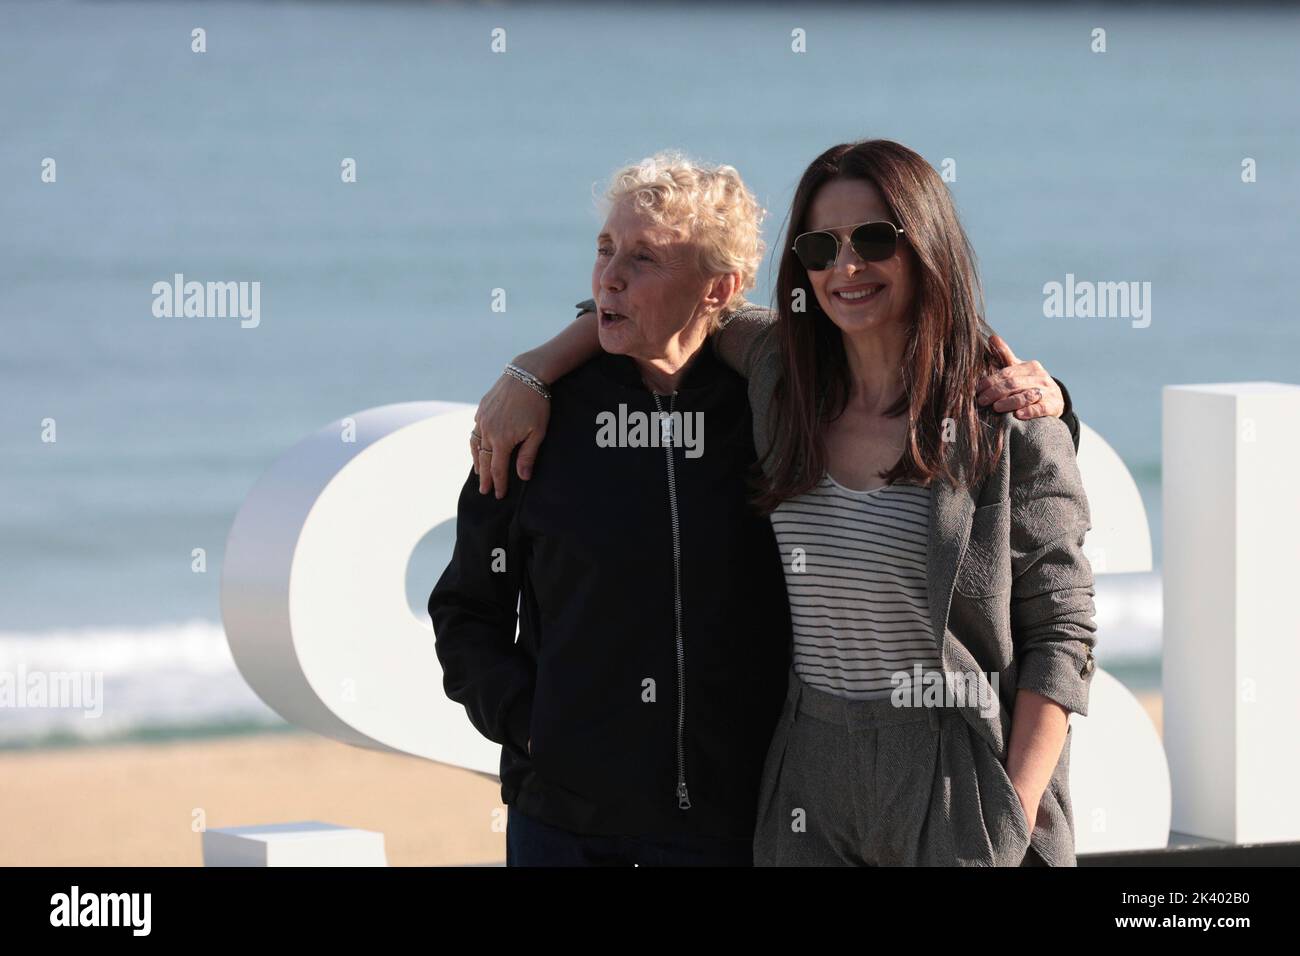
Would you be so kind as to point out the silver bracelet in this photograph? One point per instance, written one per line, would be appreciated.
(529, 379)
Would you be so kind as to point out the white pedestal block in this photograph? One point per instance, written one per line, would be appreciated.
(306, 843)
(1231, 477)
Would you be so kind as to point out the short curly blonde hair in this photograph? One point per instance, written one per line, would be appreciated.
(710, 204)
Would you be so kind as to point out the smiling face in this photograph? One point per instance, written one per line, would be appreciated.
(854, 294)
(653, 298)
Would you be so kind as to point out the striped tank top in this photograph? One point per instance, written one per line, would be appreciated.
(855, 571)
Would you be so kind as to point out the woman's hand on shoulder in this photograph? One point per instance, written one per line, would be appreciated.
(1023, 388)
(510, 413)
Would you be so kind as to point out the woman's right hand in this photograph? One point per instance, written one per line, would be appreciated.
(508, 414)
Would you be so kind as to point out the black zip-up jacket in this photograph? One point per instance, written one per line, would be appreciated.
(590, 555)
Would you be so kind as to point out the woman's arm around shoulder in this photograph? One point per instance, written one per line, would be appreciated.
(745, 337)
(512, 413)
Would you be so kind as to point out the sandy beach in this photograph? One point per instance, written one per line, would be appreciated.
(135, 805)
(144, 804)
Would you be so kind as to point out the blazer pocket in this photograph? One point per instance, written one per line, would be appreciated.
(985, 568)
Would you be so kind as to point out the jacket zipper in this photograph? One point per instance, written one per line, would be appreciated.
(665, 426)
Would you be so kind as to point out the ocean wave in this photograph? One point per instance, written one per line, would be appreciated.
(132, 683)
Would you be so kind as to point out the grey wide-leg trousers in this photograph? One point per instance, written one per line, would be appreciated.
(865, 783)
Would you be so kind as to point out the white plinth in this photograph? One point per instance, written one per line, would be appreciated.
(1231, 477)
(306, 843)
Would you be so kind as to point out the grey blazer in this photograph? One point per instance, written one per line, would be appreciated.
(1010, 589)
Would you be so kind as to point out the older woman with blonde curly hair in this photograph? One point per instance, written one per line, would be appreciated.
(636, 707)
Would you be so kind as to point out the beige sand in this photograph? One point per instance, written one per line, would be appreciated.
(135, 805)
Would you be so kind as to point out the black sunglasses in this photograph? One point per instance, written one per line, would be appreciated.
(872, 241)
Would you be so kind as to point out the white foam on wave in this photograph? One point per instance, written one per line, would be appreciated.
(176, 675)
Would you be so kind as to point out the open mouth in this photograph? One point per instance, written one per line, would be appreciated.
(610, 318)
(858, 293)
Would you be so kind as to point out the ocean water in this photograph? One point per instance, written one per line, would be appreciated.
(476, 171)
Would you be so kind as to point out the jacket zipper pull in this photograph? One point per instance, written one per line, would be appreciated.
(683, 798)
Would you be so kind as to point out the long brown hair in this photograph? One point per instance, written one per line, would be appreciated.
(947, 350)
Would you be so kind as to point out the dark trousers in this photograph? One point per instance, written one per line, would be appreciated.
(530, 842)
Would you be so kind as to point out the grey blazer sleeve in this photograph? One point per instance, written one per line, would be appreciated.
(743, 337)
(1053, 623)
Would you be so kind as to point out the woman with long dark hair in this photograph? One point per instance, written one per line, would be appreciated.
(939, 541)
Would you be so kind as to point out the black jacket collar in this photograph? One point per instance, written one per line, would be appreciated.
(703, 373)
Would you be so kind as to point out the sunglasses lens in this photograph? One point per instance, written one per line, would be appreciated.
(816, 250)
(875, 241)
